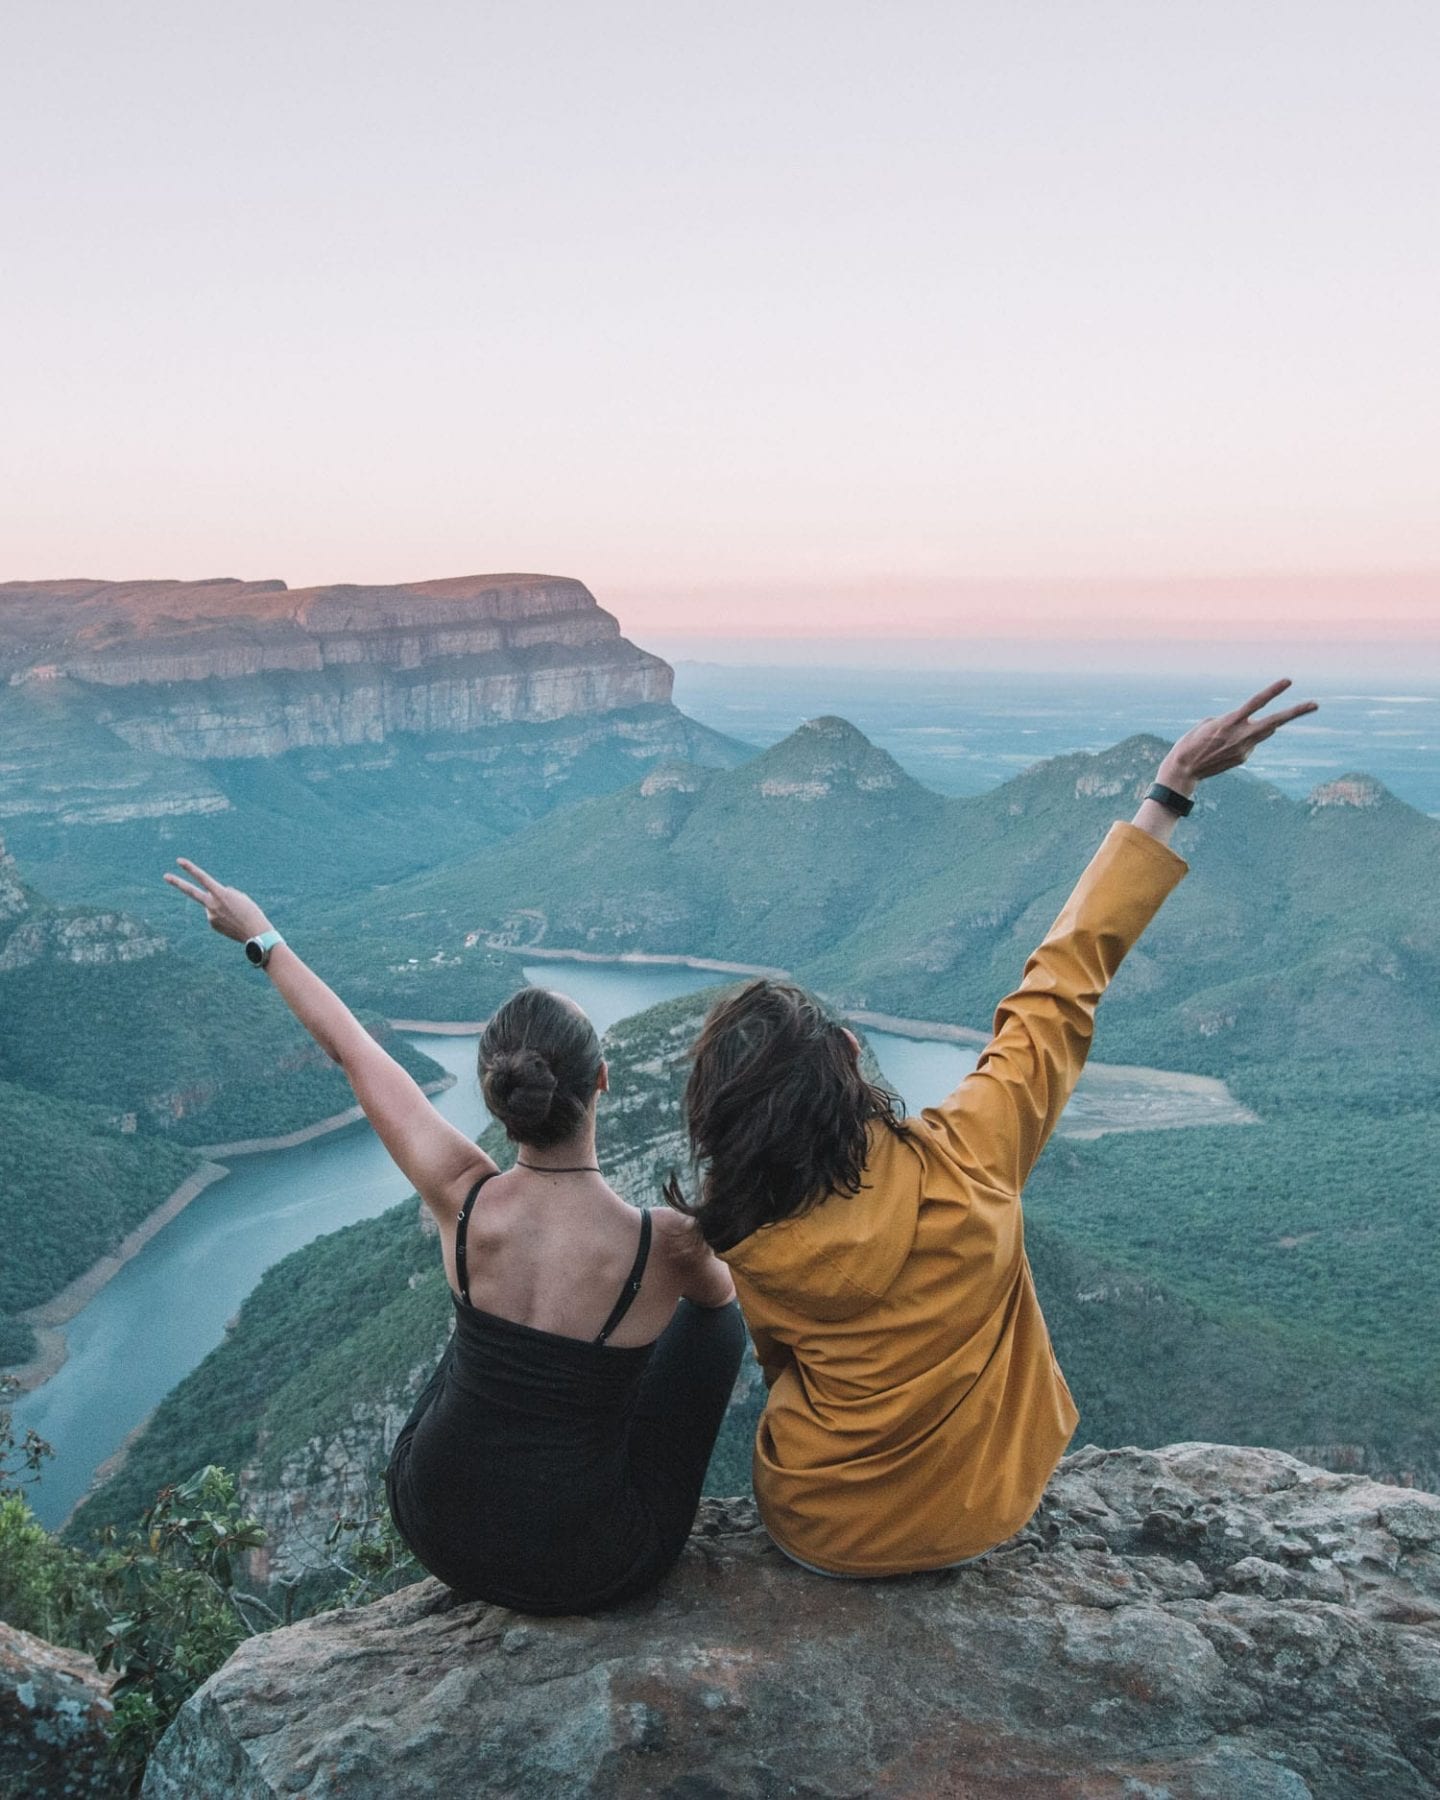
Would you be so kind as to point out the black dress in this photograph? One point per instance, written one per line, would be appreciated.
(555, 1474)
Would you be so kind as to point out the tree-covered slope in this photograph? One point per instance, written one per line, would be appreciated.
(71, 1187)
(757, 863)
(116, 1052)
(1302, 927)
(101, 1008)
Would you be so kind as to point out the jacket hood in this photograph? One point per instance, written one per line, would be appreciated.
(839, 1258)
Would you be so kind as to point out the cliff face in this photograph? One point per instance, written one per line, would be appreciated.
(220, 669)
(13, 900)
(1202, 1622)
(90, 939)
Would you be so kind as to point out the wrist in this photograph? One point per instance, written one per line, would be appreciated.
(1178, 775)
(260, 944)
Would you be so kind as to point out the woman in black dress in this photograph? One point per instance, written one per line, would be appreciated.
(553, 1462)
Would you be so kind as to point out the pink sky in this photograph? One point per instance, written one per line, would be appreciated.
(1335, 608)
(1036, 322)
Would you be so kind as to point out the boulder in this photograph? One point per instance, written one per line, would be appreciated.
(1198, 1622)
(54, 1714)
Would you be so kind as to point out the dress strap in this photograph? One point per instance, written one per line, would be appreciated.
(461, 1273)
(632, 1281)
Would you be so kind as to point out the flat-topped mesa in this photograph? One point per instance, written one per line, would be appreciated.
(421, 657)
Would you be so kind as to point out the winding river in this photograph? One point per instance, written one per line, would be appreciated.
(167, 1307)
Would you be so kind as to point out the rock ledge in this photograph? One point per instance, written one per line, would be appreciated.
(1199, 1622)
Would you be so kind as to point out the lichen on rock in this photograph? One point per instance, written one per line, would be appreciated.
(55, 1712)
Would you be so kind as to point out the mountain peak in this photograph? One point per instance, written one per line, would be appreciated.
(1349, 790)
(836, 730)
(672, 776)
(822, 757)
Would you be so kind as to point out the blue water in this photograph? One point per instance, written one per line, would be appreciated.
(963, 734)
(168, 1306)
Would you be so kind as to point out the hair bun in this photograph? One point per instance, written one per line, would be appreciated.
(520, 1087)
(539, 1065)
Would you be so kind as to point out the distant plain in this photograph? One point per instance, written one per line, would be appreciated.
(963, 733)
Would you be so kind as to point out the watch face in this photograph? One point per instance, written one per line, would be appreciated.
(254, 952)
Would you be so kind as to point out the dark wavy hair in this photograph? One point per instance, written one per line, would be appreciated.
(539, 1062)
(778, 1110)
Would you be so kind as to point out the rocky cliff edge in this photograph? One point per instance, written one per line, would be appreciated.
(1198, 1622)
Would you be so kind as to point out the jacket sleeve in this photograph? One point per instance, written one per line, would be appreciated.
(1001, 1116)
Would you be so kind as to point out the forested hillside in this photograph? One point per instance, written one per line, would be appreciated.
(71, 1186)
(1304, 930)
(117, 1056)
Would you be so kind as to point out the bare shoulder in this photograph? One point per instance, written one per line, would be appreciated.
(678, 1238)
(675, 1232)
(698, 1273)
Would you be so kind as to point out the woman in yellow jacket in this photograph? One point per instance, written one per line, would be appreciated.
(916, 1409)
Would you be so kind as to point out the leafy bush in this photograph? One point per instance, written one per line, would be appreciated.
(158, 1604)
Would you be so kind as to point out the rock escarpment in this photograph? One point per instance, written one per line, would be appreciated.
(14, 901)
(1200, 1622)
(221, 669)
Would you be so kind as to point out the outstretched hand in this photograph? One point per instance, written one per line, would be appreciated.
(230, 912)
(1215, 745)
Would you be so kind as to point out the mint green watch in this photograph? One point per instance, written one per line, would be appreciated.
(258, 948)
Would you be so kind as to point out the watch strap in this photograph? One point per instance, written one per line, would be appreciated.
(1180, 804)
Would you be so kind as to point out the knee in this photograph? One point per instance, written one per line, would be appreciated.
(728, 1325)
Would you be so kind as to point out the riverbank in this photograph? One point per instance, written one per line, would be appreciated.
(640, 959)
(48, 1360)
(63, 1306)
(440, 1027)
(1097, 1074)
(923, 1030)
(47, 1318)
(352, 1115)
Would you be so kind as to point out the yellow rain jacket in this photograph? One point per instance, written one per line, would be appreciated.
(916, 1408)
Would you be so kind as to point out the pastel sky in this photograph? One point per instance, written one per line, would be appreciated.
(1030, 320)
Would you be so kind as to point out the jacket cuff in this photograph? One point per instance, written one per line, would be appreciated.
(1136, 841)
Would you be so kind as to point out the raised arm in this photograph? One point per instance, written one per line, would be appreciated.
(439, 1159)
(1001, 1116)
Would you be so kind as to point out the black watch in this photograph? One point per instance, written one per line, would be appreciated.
(1167, 796)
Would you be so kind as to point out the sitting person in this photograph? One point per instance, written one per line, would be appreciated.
(554, 1460)
(916, 1409)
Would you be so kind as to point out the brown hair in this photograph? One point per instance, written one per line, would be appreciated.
(778, 1110)
(539, 1063)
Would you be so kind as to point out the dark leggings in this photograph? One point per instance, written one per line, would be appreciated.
(678, 1410)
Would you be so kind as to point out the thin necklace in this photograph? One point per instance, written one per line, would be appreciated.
(560, 1168)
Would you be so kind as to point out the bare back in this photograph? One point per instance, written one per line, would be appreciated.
(555, 1253)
